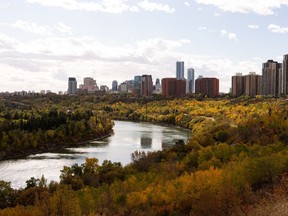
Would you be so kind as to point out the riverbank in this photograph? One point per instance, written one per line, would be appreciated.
(52, 148)
(127, 138)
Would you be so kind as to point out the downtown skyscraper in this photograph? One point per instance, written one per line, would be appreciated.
(191, 80)
(285, 74)
(180, 70)
(72, 86)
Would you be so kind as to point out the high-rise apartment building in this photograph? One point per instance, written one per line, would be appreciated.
(171, 87)
(252, 84)
(72, 86)
(237, 85)
(190, 80)
(146, 85)
(285, 74)
(272, 78)
(207, 86)
(180, 70)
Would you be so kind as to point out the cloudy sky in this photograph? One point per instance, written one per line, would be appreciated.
(43, 42)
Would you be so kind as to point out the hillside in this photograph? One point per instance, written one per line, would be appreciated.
(234, 164)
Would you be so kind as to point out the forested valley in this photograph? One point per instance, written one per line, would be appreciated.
(42, 124)
(235, 163)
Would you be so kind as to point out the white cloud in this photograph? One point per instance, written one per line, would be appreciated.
(7, 43)
(56, 58)
(217, 14)
(107, 6)
(202, 28)
(187, 4)
(30, 27)
(261, 7)
(229, 35)
(153, 6)
(277, 29)
(37, 29)
(63, 28)
(253, 26)
(84, 56)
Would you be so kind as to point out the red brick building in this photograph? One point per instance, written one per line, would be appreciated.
(171, 87)
(207, 86)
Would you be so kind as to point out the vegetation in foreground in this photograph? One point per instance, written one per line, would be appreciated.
(235, 163)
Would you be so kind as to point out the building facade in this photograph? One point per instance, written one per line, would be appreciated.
(252, 84)
(207, 86)
(171, 87)
(146, 85)
(272, 78)
(72, 86)
(180, 70)
(89, 84)
(137, 85)
(190, 80)
(114, 85)
(285, 74)
(237, 85)
(157, 89)
(126, 87)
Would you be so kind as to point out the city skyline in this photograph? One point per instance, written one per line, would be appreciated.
(43, 42)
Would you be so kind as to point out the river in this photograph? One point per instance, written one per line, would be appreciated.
(127, 138)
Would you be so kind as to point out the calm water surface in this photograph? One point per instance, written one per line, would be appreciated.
(127, 138)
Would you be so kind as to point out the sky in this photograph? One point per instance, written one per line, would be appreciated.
(44, 42)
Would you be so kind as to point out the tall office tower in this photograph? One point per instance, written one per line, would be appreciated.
(285, 74)
(72, 86)
(171, 87)
(237, 85)
(137, 85)
(190, 80)
(157, 81)
(252, 84)
(114, 85)
(272, 78)
(146, 85)
(180, 70)
(207, 86)
(157, 89)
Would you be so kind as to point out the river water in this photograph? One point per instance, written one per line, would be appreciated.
(127, 138)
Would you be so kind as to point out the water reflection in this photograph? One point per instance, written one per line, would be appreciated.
(127, 138)
(146, 142)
